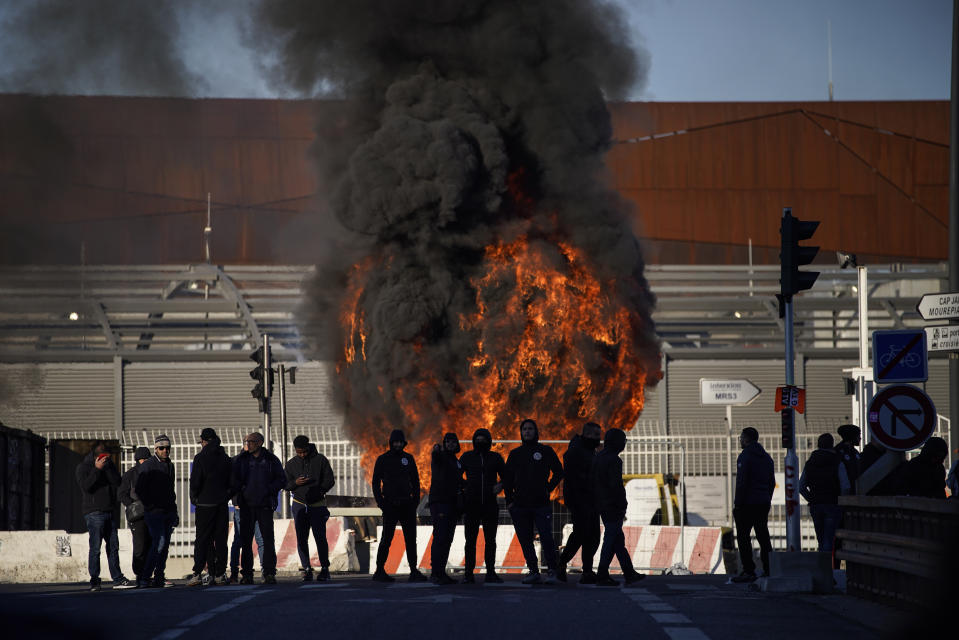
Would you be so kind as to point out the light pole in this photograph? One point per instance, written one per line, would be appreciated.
(863, 373)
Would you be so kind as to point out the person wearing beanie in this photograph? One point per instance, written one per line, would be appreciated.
(755, 483)
(210, 490)
(925, 476)
(396, 489)
(128, 495)
(533, 470)
(155, 484)
(309, 477)
(484, 479)
(257, 479)
(849, 452)
(822, 481)
(609, 498)
(446, 489)
(98, 479)
(578, 495)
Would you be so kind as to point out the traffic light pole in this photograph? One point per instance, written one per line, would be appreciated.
(793, 539)
(266, 389)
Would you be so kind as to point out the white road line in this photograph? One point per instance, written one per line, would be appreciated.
(670, 618)
(685, 633)
(197, 619)
(242, 599)
(325, 585)
(169, 634)
(660, 607)
(642, 597)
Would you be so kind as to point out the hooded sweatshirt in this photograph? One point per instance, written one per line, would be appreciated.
(446, 475)
(755, 476)
(211, 476)
(484, 469)
(317, 468)
(823, 478)
(533, 470)
(577, 462)
(396, 481)
(606, 475)
(98, 487)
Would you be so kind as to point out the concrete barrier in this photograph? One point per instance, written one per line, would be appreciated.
(656, 548)
(509, 555)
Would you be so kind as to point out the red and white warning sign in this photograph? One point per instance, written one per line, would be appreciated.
(791, 397)
(902, 417)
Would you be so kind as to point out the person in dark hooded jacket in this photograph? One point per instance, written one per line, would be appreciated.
(925, 476)
(156, 481)
(484, 471)
(446, 489)
(755, 483)
(533, 470)
(822, 481)
(309, 477)
(210, 490)
(609, 496)
(578, 494)
(128, 495)
(258, 479)
(396, 489)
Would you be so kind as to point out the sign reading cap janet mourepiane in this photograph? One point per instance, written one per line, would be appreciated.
(727, 392)
(939, 306)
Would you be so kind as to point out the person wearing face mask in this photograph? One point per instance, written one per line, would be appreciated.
(484, 477)
(396, 489)
(609, 494)
(533, 470)
(445, 492)
(577, 462)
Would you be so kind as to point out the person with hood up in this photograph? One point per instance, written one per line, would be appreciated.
(257, 479)
(396, 489)
(822, 481)
(755, 483)
(210, 490)
(925, 476)
(98, 479)
(578, 494)
(445, 495)
(609, 496)
(128, 495)
(533, 470)
(484, 479)
(309, 477)
(848, 451)
(155, 484)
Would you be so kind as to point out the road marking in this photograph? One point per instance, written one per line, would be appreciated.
(685, 633)
(224, 607)
(325, 585)
(660, 607)
(670, 618)
(414, 585)
(185, 625)
(197, 619)
(169, 634)
(678, 586)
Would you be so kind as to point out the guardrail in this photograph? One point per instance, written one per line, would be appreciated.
(897, 548)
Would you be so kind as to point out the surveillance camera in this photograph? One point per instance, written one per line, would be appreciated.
(846, 260)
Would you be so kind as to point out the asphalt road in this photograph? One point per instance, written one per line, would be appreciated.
(676, 607)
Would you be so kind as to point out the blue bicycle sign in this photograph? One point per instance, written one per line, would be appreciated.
(899, 356)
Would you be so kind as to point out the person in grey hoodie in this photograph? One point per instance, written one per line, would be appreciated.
(309, 477)
(755, 483)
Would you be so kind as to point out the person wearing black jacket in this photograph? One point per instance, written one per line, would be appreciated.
(155, 488)
(445, 493)
(533, 470)
(309, 477)
(210, 490)
(577, 462)
(925, 475)
(755, 483)
(98, 479)
(128, 495)
(609, 496)
(484, 479)
(258, 478)
(848, 451)
(396, 489)
(822, 481)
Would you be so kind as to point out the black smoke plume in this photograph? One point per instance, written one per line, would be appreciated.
(461, 125)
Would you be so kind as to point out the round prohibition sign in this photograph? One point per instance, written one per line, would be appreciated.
(902, 417)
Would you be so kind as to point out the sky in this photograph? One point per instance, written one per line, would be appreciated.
(700, 50)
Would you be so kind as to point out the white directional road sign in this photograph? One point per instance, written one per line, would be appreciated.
(727, 392)
(902, 417)
(939, 306)
(943, 338)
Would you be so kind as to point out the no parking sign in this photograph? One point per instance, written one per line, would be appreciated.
(902, 417)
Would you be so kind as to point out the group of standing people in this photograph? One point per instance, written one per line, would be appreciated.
(468, 486)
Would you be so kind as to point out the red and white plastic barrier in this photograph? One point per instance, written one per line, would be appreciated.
(508, 552)
(656, 548)
(340, 539)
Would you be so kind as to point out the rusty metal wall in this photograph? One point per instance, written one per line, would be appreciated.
(128, 178)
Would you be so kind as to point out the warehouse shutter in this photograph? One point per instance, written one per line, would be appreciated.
(57, 397)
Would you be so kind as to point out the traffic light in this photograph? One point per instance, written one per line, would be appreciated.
(792, 255)
(264, 378)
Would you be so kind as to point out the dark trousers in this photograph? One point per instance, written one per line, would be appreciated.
(141, 545)
(249, 518)
(826, 519)
(160, 526)
(406, 516)
(486, 514)
(614, 544)
(444, 524)
(306, 519)
(102, 528)
(585, 534)
(749, 517)
(523, 520)
(235, 546)
(211, 531)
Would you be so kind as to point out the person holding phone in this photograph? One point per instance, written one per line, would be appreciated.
(309, 477)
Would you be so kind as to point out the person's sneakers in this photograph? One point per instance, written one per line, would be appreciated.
(269, 579)
(533, 578)
(561, 571)
(194, 581)
(632, 578)
(417, 576)
(94, 585)
(441, 579)
(166, 584)
(246, 580)
(382, 576)
(468, 578)
(144, 584)
(124, 583)
(604, 580)
(324, 575)
(306, 575)
(588, 577)
(206, 580)
(222, 581)
(493, 578)
(551, 578)
(744, 577)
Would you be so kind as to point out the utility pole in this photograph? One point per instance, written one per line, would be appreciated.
(954, 221)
